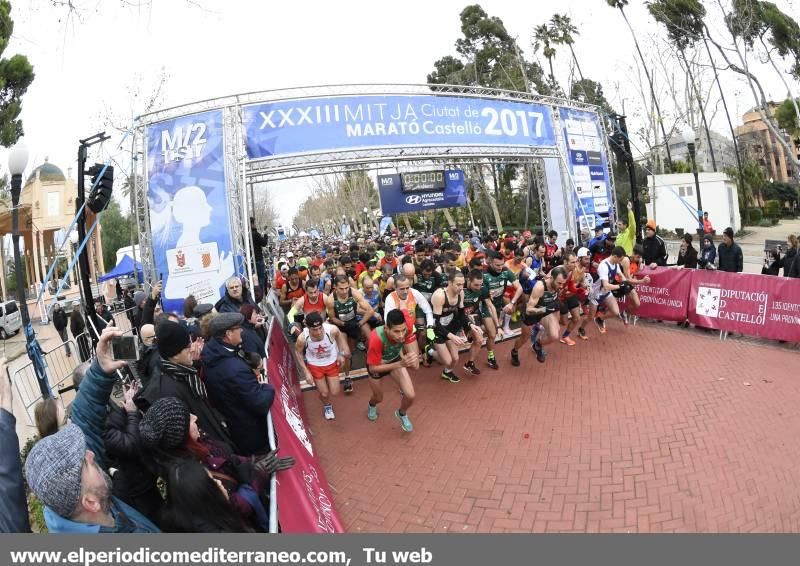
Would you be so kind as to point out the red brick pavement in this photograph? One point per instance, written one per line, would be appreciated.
(645, 429)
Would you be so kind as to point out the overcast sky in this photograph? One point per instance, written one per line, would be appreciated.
(88, 63)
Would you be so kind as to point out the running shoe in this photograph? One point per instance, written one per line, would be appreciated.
(535, 330)
(582, 334)
(450, 376)
(328, 412)
(405, 423)
(491, 361)
(372, 413)
(514, 358)
(348, 385)
(472, 368)
(623, 316)
(540, 353)
(601, 325)
(567, 340)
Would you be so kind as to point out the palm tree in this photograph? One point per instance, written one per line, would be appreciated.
(544, 38)
(565, 33)
(620, 5)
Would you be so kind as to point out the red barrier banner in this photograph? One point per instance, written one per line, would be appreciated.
(755, 305)
(305, 504)
(665, 296)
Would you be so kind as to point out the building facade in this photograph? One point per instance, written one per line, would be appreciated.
(758, 144)
(724, 151)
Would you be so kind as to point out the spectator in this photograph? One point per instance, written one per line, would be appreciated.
(254, 338)
(78, 329)
(791, 263)
(707, 227)
(244, 401)
(176, 377)
(65, 470)
(13, 505)
(655, 250)
(627, 231)
(729, 254)
(60, 324)
(687, 256)
(199, 312)
(234, 296)
(708, 254)
(139, 299)
(45, 415)
(772, 266)
(133, 482)
(259, 242)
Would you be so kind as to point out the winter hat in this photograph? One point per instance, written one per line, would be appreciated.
(172, 338)
(224, 321)
(165, 424)
(53, 469)
(138, 297)
(651, 224)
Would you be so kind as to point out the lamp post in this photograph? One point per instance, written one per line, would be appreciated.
(17, 161)
(366, 219)
(692, 150)
(73, 240)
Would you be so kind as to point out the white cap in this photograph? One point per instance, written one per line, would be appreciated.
(583, 252)
(290, 254)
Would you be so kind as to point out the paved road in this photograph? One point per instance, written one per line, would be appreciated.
(646, 429)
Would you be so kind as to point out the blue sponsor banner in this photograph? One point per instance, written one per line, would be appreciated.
(394, 200)
(385, 222)
(348, 122)
(588, 166)
(189, 208)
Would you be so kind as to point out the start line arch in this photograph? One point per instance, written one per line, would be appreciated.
(195, 163)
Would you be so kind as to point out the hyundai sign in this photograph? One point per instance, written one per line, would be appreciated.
(394, 200)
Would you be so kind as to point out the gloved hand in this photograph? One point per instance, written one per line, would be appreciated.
(430, 334)
(270, 463)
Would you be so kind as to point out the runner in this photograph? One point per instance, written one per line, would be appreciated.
(447, 305)
(389, 353)
(543, 311)
(584, 263)
(343, 306)
(411, 302)
(324, 352)
(312, 301)
(573, 295)
(476, 302)
(609, 279)
(630, 267)
(293, 289)
(496, 279)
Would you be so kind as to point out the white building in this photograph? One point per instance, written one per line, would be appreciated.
(724, 150)
(673, 201)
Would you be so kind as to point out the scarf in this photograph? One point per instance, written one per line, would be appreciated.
(187, 375)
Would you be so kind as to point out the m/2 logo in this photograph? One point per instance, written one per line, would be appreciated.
(386, 181)
(181, 144)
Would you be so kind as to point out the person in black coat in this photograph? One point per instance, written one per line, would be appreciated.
(254, 338)
(176, 377)
(133, 482)
(655, 250)
(13, 506)
(235, 298)
(790, 261)
(233, 388)
(60, 324)
(729, 254)
(78, 329)
(687, 256)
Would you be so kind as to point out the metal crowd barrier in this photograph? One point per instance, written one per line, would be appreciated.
(60, 368)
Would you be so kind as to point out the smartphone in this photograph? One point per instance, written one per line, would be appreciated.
(124, 348)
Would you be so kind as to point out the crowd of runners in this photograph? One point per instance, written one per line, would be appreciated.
(422, 299)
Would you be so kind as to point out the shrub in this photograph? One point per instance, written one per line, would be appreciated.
(765, 222)
(775, 221)
(755, 216)
(772, 208)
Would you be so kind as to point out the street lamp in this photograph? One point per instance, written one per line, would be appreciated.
(689, 138)
(366, 219)
(17, 161)
(74, 238)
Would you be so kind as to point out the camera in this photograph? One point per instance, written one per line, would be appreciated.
(124, 348)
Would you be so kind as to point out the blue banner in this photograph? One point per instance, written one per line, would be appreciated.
(348, 122)
(189, 208)
(588, 166)
(385, 222)
(394, 200)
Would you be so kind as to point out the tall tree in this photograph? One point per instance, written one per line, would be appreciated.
(620, 5)
(16, 75)
(116, 233)
(565, 32)
(544, 37)
(684, 22)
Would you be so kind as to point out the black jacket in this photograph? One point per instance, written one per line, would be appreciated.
(791, 263)
(188, 388)
(253, 340)
(13, 506)
(689, 259)
(730, 258)
(259, 241)
(234, 390)
(133, 482)
(655, 251)
(59, 319)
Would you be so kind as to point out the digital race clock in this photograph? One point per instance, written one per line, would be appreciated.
(422, 181)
